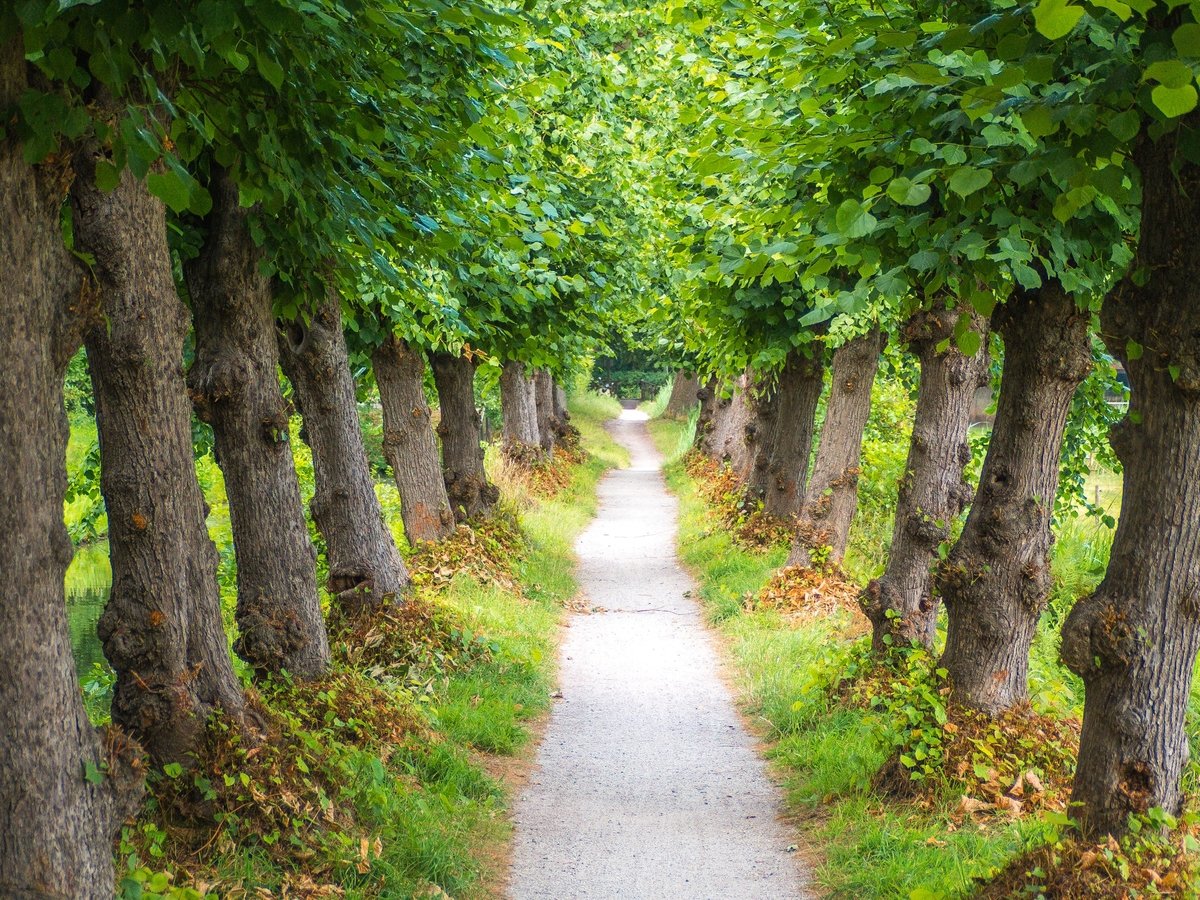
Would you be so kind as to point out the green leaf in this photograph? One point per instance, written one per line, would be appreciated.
(1133, 350)
(1174, 102)
(1169, 72)
(108, 176)
(1187, 39)
(1055, 18)
(1125, 126)
(969, 343)
(908, 193)
(853, 220)
(968, 179)
(171, 189)
(270, 70)
(92, 773)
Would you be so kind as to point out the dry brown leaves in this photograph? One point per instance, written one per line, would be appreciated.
(483, 551)
(803, 594)
(1074, 869)
(725, 493)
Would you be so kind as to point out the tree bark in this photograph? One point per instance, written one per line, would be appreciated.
(1134, 641)
(162, 628)
(831, 498)
(709, 398)
(995, 581)
(543, 393)
(761, 435)
(471, 494)
(684, 396)
(799, 391)
(729, 439)
(409, 442)
(933, 493)
(365, 569)
(234, 382)
(560, 404)
(518, 405)
(56, 825)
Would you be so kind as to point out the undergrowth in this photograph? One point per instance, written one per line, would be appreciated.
(374, 781)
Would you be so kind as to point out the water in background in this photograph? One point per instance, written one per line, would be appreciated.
(88, 581)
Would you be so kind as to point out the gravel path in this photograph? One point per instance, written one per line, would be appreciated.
(647, 785)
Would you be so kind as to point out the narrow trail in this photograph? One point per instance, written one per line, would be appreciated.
(647, 784)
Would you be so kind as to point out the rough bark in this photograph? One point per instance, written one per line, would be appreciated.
(162, 628)
(709, 397)
(995, 581)
(518, 405)
(365, 569)
(543, 394)
(56, 825)
(761, 435)
(471, 494)
(409, 442)
(799, 392)
(1134, 641)
(933, 493)
(832, 497)
(729, 435)
(234, 382)
(560, 404)
(684, 396)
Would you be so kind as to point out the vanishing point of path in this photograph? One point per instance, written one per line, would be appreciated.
(647, 784)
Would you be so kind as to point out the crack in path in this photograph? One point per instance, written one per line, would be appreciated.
(647, 784)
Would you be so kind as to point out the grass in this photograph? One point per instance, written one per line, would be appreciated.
(827, 751)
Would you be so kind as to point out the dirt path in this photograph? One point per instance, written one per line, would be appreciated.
(647, 785)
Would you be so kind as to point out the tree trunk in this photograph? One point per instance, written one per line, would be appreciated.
(409, 443)
(933, 492)
(543, 392)
(365, 569)
(560, 404)
(732, 423)
(518, 405)
(762, 433)
(56, 824)
(1134, 641)
(235, 388)
(470, 493)
(995, 580)
(705, 423)
(799, 391)
(684, 396)
(831, 498)
(162, 628)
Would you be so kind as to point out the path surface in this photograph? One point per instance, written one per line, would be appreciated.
(647, 784)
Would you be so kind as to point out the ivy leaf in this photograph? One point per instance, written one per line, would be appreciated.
(1174, 102)
(1055, 18)
(853, 220)
(968, 179)
(908, 193)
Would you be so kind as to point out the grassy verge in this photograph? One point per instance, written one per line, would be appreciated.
(829, 743)
(385, 779)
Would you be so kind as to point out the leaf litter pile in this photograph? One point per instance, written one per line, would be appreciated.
(803, 594)
(725, 493)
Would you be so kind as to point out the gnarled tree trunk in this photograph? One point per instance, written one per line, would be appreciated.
(685, 392)
(725, 437)
(235, 388)
(995, 580)
(761, 435)
(933, 492)
(832, 496)
(409, 442)
(56, 824)
(471, 494)
(543, 395)
(518, 405)
(560, 404)
(799, 391)
(1134, 641)
(162, 628)
(365, 569)
(709, 396)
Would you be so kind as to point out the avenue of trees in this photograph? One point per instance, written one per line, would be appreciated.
(210, 197)
(978, 184)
